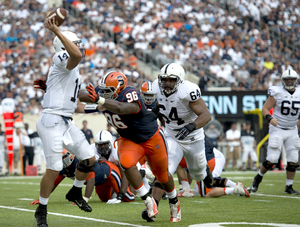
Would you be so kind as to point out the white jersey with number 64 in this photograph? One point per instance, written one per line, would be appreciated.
(61, 96)
(176, 111)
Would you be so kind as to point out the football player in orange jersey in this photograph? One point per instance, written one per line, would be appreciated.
(148, 95)
(140, 136)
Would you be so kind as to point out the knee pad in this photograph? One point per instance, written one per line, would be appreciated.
(275, 142)
(291, 167)
(82, 166)
(297, 142)
(158, 185)
(268, 165)
(219, 182)
(198, 175)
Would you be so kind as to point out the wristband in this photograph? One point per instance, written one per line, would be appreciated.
(120, 195)
(91, 109)
(268, 117)
(101, 101)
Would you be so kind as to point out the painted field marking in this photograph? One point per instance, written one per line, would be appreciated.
(73, 216)
(219, 224)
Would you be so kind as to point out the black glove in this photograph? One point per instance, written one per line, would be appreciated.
(184, 131)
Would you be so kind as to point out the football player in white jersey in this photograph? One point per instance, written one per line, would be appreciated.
(185, 113)
(285, 101)
(55, 126)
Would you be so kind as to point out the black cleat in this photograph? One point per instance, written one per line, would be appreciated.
(146, 217)
(41, 217)
(256, 182)
(209, 180)
(165, 196)
(289, 190)
(75, 195)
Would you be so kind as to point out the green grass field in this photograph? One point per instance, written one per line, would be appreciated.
(269, 205)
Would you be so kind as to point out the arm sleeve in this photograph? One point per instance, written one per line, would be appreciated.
(60, 60)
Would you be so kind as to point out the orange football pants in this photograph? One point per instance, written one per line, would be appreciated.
(155, 151)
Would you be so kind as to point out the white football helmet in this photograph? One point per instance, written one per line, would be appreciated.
(147, 93)
(289, 74)
(171, 70)
(58, 46)
(103, 137)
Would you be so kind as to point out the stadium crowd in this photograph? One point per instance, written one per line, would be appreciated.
(226, 45)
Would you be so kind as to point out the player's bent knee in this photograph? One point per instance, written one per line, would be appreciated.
(268, 164)
(85, 166)
(291, 167)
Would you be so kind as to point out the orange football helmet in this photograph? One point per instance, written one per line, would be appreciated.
(112, 84)
(147, 94)
(67, 158)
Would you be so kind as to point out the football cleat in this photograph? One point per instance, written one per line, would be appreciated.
(76, 197)
(255, 183)
(186, 192)
(41, 217)
(239, 189)
(175, 212)
(151, 207)
(146, 217)
(289, 190)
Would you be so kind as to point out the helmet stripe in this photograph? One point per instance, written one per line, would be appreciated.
(289, 72)
(100, 135)
(167, 68)
(149, 86)
(105, 77)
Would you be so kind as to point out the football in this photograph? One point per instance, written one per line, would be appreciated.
(60, 14)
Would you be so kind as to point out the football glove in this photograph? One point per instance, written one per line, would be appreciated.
(118, 199)
(92, 93)
(186, 130)
(35, 202)
(40, 84)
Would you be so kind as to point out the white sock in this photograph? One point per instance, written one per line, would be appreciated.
(141, 191)
(78, 183)
(289, 182)
(185, 184)
(15, 170)
(262, 174)
(43, 201)
(229, 191)
(172, 194)
(230, 183)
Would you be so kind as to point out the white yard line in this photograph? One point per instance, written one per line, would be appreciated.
(73, 216)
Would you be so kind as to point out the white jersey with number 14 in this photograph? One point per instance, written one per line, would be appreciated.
(61, 96)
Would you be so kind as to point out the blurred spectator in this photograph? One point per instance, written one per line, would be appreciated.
(233, 136)
(87, 132)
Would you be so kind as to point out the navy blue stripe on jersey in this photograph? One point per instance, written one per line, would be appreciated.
(167, 68)
(117, 178)
(129, 197)
(202, 189)
(163, 136)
